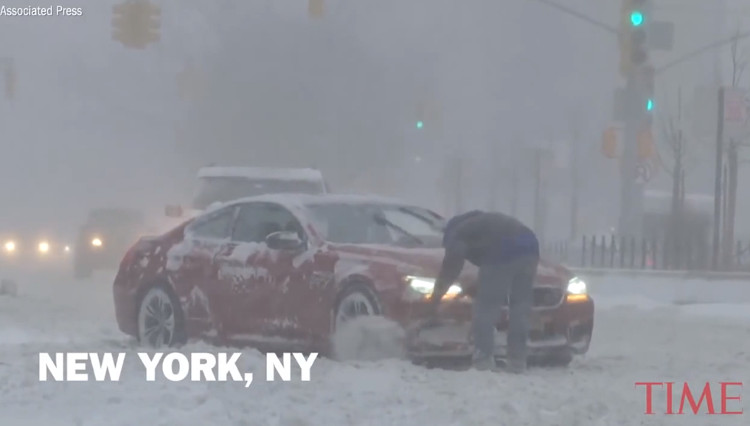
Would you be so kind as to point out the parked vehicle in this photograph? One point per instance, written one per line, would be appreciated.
(105, 237)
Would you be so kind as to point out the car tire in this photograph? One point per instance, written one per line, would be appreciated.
(358, 297)
(360, 331)
(159, 310)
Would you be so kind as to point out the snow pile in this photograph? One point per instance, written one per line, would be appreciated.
(369, 338)
(665, 290)
(52, 314)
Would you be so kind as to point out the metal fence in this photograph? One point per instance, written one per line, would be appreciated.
(643, 253)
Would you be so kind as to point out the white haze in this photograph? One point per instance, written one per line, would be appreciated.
(95, 124)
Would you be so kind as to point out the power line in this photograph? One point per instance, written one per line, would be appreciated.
(568, 11)
(701, 50)
(679, 60)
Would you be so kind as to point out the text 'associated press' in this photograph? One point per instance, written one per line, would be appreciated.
(173, 366)
(718, 398)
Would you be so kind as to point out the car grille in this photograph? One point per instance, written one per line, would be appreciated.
(547, 296)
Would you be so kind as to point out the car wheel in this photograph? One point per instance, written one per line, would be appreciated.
(160, 319)
(356, 301)
(361, 332)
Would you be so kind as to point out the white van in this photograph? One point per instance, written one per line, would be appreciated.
(217, 185)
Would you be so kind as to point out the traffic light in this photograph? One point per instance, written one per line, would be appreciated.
(421, 115)
(633, 34)
(315, 8)
(10, 82)
(645, 84)
(136, 23)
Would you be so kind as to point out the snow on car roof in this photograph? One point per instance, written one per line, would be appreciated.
(261, 173)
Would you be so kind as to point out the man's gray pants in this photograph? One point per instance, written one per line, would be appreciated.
(514, 278)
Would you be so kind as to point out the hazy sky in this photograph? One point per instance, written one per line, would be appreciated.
(94, 123)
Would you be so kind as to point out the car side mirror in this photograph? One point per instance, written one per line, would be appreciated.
(173, 211)
(284, 240)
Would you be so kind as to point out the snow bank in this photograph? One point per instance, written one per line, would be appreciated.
(370, 338)
(668, 290)
(726, 300)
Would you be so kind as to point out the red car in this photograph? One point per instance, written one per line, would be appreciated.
(284, 271)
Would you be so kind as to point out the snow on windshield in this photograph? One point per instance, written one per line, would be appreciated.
(224, 189)
(355, 223)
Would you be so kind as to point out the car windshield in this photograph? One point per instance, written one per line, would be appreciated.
(224, 189)
(356, 224)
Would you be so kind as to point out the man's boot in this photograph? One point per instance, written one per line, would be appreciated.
(483, 362)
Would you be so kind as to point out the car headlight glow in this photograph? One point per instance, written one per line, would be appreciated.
(424, 286)
(66, 248)
(10, 246)
(96, 242)
(43, 247)
(577, 286)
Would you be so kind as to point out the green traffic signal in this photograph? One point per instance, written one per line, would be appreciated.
(636, 18)
(420, 124)
(650, 105)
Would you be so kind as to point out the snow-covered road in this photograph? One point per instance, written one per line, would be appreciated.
(660, 342)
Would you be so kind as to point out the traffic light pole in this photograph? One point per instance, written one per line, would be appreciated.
(631, 191)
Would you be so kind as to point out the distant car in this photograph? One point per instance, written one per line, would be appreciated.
(35, 246)
(291, 269)
(218, 185)
(105, 237)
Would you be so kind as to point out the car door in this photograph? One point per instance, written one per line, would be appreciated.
(247, 271)
(262, 278)
(195, 275)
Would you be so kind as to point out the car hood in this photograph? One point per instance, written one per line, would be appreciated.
(427, 262)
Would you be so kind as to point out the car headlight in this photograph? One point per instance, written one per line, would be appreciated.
(43, 247)
(424, 286)
(577, 291)
(96, 242)
(10, 246)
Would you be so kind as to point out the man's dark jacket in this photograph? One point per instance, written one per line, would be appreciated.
(483, 238)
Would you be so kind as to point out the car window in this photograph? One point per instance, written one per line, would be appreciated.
(409, 221)
(217, 225)
(256, 221)
(355, 223)
(349, 224)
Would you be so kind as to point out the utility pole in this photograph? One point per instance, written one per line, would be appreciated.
(638, 99)
(718, 182)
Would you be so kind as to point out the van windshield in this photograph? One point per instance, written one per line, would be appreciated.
(224, 189)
